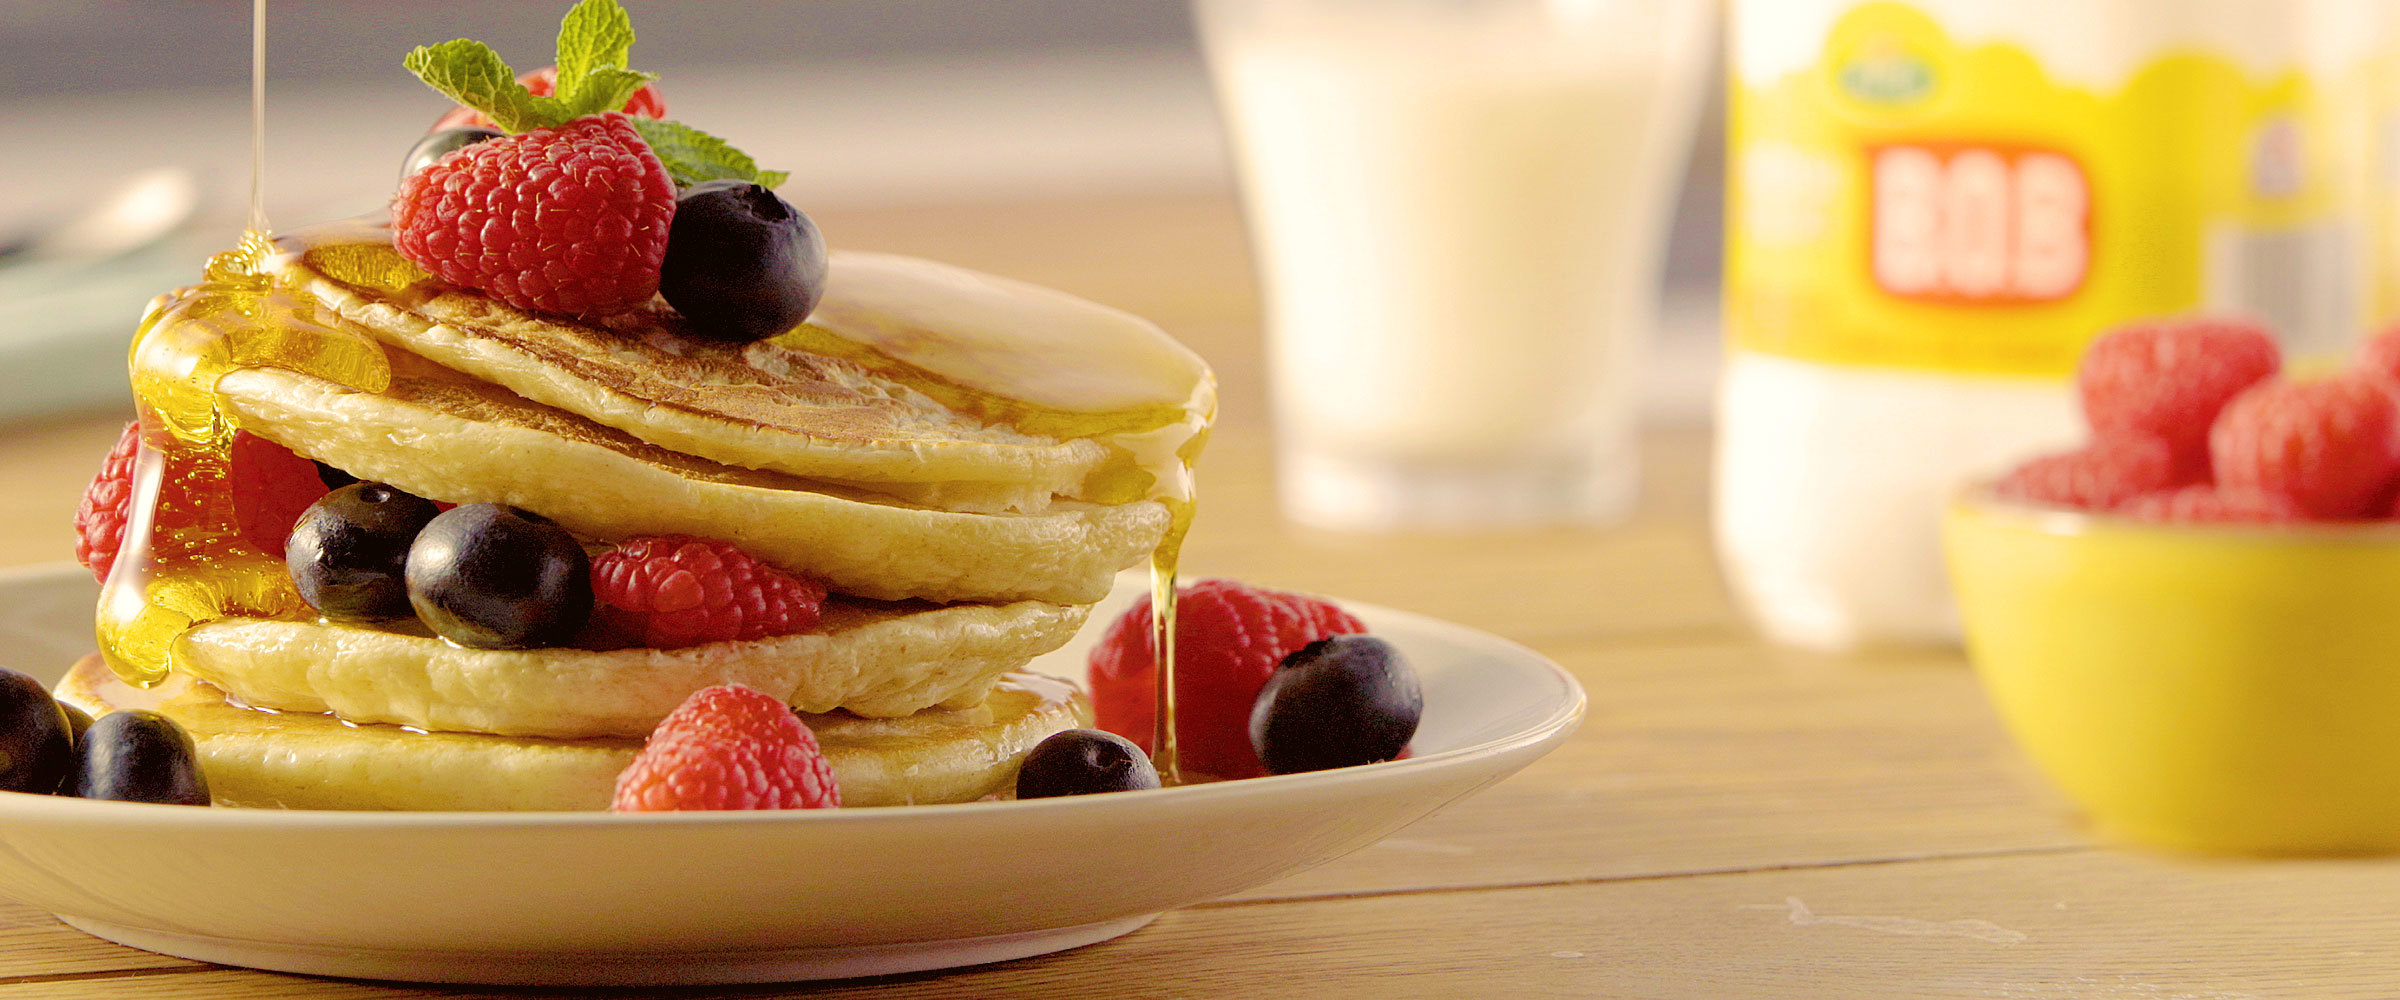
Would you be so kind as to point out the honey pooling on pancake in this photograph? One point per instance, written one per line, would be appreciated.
(183, 562)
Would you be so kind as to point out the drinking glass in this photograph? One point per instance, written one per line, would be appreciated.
(1458, 209)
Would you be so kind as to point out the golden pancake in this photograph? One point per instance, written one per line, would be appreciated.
(441, 435)
(882, 660)
(759, 405)
(304, 761)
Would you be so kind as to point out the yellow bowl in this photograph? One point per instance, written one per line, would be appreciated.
(2215, 688)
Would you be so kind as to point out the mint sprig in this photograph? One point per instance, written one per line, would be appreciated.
(694, 157)
(593, 42)
(594, 36)
(470, 73)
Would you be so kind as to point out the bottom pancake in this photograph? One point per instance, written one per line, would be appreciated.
(307, 761)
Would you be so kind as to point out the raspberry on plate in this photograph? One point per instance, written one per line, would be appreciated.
(2169, 381)
(543, 82)
(2100, 476)
(272, 487)
(570, 220)
(2209, 504)
(728, 747)
(670, 591)
(2332, 447)
(1229, 637)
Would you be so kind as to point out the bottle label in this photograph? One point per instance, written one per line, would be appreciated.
(1912, 202)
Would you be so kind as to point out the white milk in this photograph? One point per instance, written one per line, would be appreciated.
(1458, 217)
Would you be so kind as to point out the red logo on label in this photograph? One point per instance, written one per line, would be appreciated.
(1977, 224)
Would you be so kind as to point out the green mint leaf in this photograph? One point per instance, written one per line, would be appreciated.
(470, 73)
(595, 36)
(604, 89)
(593, 42)
(692, 156)
(770, 179)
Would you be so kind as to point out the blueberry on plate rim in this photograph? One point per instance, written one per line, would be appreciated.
(133, 755)
(1338, 702)
(1084, 762)
(36, 739)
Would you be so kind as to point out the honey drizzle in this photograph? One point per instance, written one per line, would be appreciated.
(1163, 754)
(182, 561)
(258, 118)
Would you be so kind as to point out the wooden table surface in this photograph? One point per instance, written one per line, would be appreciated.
(1732, 821)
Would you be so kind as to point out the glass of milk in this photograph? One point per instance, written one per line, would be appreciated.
(1459, 208)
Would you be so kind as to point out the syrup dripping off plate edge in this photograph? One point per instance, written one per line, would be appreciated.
(549, 899)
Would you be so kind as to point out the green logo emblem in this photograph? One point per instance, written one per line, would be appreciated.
(1888, 75)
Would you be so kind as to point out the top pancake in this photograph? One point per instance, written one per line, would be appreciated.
(761, 405)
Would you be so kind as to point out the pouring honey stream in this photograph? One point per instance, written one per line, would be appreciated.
(182, 561)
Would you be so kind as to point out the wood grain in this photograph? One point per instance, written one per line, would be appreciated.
(33, 943)
(2077, 925)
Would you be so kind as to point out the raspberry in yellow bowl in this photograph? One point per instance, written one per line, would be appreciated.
(2211, 688)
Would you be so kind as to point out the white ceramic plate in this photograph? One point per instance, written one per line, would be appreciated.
(594, 898)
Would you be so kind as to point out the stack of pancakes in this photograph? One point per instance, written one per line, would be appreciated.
(958, 544)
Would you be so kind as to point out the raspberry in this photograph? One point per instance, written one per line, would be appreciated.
(569, 220)
(100, 518)
(2206, 504)
(2169, 381)
(2102, 475)
(2332, 447)
(728, 747)
(645, 102)
(668, 591)
(2380, 356)
(272, 488)
(1228, 638)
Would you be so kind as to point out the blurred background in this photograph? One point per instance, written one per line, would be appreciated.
(871, 105)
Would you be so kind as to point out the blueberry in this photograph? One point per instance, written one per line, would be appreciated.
(78, 722)
(741, 263)
(138, 756)
(496, 577)
(1081, 762)
(36, 749)
(347, 552)
(333, 478)
(443, 142)
(1336, 702)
